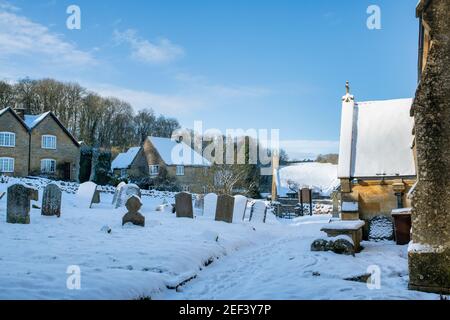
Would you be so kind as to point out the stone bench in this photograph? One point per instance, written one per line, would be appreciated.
(353, 229)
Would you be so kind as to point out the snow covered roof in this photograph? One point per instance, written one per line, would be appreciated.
(124, 160)
(320, 177)
(174, 153)
(376, 139)
(33, 120)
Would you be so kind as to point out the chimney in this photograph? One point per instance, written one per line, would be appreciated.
(20, 111)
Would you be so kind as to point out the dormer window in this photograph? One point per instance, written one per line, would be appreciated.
(7, 139)
(49, 142)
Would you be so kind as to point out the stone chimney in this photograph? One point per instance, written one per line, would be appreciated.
(20, 111)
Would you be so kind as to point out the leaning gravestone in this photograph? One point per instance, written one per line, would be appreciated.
(133, 215)
(240, 206)
(210, 205)
(18, 204)
(86, 195)
(258, 212)
(125, 193)
(117, 191)
(224, 210)
(183, 205)
(51, 201)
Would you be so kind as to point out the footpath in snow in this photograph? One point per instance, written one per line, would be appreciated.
(183, 258)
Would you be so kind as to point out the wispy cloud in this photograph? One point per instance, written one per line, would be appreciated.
(169, 104)
(4, 5)
(160, 51)
(19, 36)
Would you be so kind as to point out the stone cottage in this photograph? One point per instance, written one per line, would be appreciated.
(429, 251)
(14, 144)
(37, 145)
(191, 170)
(376, 160)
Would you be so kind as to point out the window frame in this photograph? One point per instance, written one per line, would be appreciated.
(10, 134)
(49, 171)
(46, 136)
(8, 159)
(152, 172)
(182, 170)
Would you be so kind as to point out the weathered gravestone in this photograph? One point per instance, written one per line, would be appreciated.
(117, 191)
(133, 216)
(240, 206)
(210, 205)
(224, 209)
(87, 194)
(258, 212)
(51, 201)
(18, 204)
(125, 193)
(199, 201)
(183, 205)
(381, 228)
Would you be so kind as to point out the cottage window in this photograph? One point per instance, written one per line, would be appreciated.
(48, 142)
(48, 166)
(180, 170)
(154, 170)
(7, 139)
(186, 188)
(6, 165)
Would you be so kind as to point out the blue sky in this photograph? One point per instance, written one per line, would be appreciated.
(232, 64)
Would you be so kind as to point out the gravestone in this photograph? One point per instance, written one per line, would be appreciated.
(199, 201)
(34, 194)
(183, 205)
(381, 228)
(305, 197)
(258, 212)
(116, 192)
(133, 215)
(335, 198)
(210, 205)
(86, 195)
(240, 206)
(224, 209)
(18, 204)
(51, 201)
(126, 192)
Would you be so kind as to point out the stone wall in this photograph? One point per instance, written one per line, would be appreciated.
(9, 123)
(66, 150)
(429, 260)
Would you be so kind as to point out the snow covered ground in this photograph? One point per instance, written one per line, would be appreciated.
(222, 261)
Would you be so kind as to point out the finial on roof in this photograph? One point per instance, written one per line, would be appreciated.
(348, 97)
